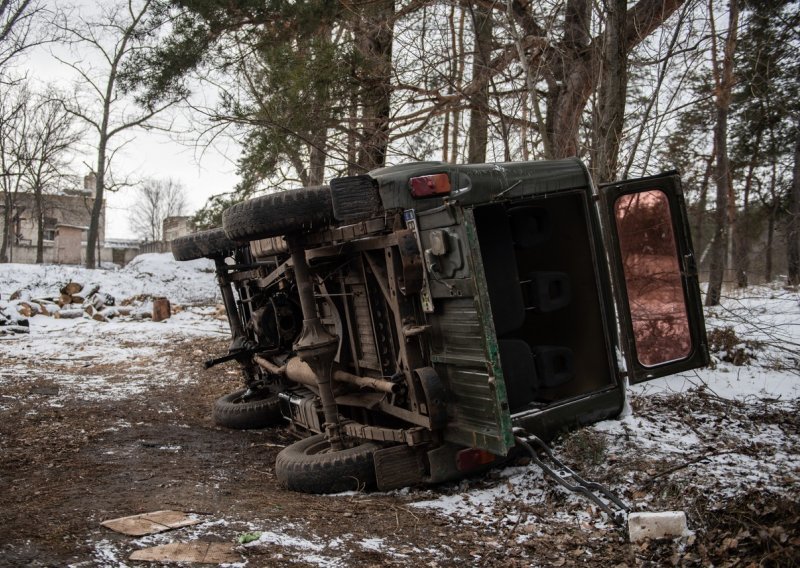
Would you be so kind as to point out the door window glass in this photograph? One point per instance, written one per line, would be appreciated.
(652, 277)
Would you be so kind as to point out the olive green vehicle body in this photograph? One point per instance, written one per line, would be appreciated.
(472, 302)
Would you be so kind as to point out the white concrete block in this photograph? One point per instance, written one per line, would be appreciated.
(667, 524)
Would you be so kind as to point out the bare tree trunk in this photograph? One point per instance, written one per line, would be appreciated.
(793, 233)
(702, 201)
(8, 205)
(505, 127)
(773, 213)
(479, 101)
(573, 71)
(97, 207)
(451, 20)
(352, 136)
(317, 155)
(446, 137)
(612, 94)
(724, 82)
(719, 246)
(741, 241)
(374, 36)
(460, 55)
(574, 80)
(38, 211)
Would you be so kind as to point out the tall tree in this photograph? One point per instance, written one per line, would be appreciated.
(156, 199)
(373, 33)
(571, 65)
(119, 32)
(723, 85)
(477, 138)
(21, 27)
(14, 121)
(764, 125)
(612, 94)
(793, 233)
(50, 136)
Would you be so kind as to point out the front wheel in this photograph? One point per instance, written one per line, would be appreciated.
(239, 412)
(311, 466)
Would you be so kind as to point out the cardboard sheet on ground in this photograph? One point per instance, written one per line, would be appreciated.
(150, 523)
(197, 551)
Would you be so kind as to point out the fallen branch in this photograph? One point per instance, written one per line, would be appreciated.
(686, 464)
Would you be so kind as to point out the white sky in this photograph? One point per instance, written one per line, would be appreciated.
(148, 154)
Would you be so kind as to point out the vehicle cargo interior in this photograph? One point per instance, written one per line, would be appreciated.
(545, 299)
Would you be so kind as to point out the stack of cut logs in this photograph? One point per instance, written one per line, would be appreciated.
(73, 301)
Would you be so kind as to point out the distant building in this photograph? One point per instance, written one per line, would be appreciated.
(174, 227)
(66, 224)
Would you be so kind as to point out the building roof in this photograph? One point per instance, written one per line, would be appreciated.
(68, 226)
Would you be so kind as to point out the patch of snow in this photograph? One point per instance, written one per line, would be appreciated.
(124, 349)
(106, 554)
(375, 544)
(148, 274)
(483, 506)
(282, 539)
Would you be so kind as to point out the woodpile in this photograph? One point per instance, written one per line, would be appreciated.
(74, 301)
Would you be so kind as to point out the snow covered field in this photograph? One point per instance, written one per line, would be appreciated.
(700, 441)
(190, 286)
(146, 275)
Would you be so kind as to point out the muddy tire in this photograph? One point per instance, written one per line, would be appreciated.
(278, 213)
(260, 411)
(203, 244)
(309, 466)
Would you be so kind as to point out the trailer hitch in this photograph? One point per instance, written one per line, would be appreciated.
(600, 495)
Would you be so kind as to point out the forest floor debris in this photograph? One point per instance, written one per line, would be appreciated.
(119, 424)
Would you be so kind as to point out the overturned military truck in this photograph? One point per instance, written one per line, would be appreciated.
(410, 322)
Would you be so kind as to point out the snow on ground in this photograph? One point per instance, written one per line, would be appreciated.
(708, 423)
(120, 343)
(189, 282)
(130, 345)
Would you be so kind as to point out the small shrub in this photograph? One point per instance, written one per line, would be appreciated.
(585, 447)
(724, 342)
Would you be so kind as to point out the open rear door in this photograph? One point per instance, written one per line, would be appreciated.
(655, 275)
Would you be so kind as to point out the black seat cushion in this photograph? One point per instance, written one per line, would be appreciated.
(546, 291)
(500, 268)
(530, 226)
(555, 365)
(516, 360)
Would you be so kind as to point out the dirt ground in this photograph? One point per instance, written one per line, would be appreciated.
(66, 468)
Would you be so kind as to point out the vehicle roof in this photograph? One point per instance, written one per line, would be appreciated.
(480, 183)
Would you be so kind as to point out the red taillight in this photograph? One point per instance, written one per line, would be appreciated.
(473, 458)
(430, 186)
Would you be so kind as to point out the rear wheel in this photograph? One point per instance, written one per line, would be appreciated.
(240, 412)
(311, 466)
(278, 213)
(203, 244)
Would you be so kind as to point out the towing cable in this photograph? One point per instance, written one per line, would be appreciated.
(600, 495)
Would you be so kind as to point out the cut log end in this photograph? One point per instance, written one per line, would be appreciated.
(161, 309)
